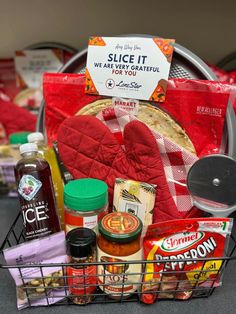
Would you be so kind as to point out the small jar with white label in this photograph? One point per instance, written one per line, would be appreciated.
(86, 202)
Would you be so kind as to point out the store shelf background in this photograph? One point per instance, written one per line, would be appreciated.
(204, 27)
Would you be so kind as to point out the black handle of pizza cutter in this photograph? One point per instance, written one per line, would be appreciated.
(213, 178)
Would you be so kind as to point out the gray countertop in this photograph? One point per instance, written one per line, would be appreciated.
(223, 299)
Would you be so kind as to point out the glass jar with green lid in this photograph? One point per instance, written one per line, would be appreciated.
(118, 242)
(17, 139)
(86, 202)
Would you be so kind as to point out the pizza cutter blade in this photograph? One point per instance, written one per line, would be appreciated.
(213, 179)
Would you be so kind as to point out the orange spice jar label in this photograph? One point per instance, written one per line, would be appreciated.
(82, 281)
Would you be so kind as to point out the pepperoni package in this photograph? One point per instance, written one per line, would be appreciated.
(191, 245)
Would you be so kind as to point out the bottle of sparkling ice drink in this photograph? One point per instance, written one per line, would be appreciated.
(36, 194)
(48, 154)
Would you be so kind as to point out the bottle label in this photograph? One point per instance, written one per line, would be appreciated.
(91, 222)
(82, 281)
(119, 279)
(36, 219)
(29, 187)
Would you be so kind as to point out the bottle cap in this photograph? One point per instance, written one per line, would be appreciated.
(19, 138)
(85, 194)
(80, 242)
(120, 227)
(35, 136)
(28, 147)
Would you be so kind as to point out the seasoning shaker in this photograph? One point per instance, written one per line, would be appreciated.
(86, 202)
(81, 248)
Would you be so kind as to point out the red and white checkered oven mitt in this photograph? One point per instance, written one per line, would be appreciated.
(88, 148)
(176, 160)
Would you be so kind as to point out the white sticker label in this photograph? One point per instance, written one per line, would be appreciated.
(130, 105)
(29, 187)
(90, 221)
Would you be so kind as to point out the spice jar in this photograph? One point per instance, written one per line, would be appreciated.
(86, 202)
(119, 241)
(81, 248)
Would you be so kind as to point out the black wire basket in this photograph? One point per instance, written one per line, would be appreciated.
(54, 289)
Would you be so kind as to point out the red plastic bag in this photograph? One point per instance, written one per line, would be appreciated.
(224, 76)
(198, 106)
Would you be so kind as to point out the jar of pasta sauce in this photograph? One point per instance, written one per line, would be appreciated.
(119, 241)
(86, 202)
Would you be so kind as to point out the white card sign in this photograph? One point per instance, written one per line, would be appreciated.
(31, 64)
(130, 67)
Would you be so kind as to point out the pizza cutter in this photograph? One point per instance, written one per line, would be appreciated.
(212, 182)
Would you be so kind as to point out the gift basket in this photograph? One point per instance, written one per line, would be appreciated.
(139, 176)
(52, 284)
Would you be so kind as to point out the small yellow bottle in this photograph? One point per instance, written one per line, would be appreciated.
(48, 154)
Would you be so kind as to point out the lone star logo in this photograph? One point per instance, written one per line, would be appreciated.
(110, 83)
